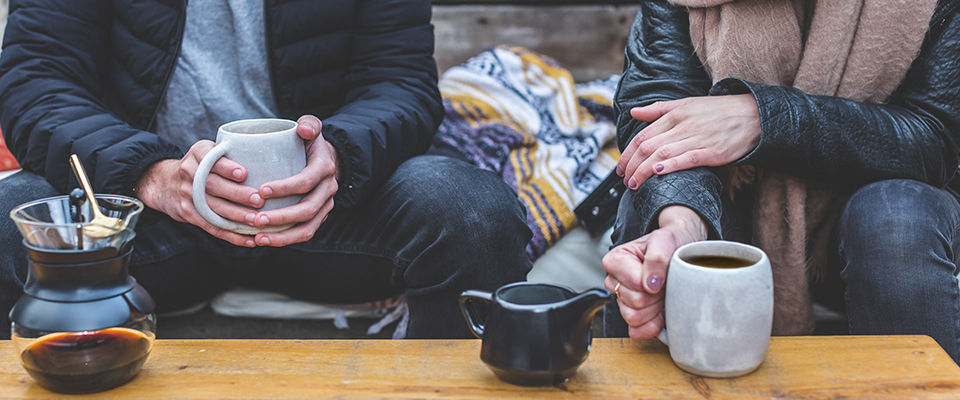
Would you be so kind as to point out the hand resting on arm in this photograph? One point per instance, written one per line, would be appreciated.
(687, 133)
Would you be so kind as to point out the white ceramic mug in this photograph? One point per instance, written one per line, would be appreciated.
(269, 149)
(719, 319)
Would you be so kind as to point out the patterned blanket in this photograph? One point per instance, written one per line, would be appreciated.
(520, 115)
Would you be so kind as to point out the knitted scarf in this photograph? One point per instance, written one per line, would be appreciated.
(855, 49)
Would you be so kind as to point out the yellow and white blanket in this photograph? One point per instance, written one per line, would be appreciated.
(520, 114)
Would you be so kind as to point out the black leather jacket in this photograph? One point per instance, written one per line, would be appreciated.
(915, 134)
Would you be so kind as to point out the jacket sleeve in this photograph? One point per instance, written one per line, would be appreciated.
(915, 134)
(392, 106)
(661, 65)
(50, 98)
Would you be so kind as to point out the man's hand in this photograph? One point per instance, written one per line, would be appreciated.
(167, 186)
(690, 132)
(640, 268)
(318, 181)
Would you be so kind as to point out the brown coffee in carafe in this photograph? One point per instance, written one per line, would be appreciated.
(86, 362)
(719, 262)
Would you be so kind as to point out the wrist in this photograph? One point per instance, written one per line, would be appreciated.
(684, 219)
(147, 186)
(336, 159)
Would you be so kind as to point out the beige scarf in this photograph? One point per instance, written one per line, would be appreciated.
(855, 49)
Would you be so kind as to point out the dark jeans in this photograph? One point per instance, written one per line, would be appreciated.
(437, 227)
(899, 248)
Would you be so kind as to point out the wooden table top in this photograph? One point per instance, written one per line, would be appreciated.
(796, 367)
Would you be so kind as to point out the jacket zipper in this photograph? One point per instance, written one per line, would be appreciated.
(169, 73)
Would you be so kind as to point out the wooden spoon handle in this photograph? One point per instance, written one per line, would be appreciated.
(82, 177)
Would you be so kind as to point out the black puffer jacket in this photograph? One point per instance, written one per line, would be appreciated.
(915, 134)
(87, 78)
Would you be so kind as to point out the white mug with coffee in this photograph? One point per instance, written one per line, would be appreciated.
(719, 308)
(269, 149)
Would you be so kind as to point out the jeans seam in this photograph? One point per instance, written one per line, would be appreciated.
(354, 249)
(956, 311)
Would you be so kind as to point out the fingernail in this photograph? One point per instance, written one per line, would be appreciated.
(658, 167)
(632, 183)
(264, 241)
(250, 219)
(255, 198)
(619, 171)
(264, 220)
(654, 283)
(266, 191)
(250, 243)
(238, 173)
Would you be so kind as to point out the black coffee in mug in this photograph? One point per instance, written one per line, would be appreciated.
(719, 262)
(86, 362)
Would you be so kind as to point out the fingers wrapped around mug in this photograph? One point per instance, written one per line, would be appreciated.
(225, 193)
(318, 180)
(648, 330)
(630, 297)
(167, 187)
(308, 214)
(641, 265)
(624, 267)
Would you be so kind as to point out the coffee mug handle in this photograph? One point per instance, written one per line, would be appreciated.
(200, 188)
(465, 298)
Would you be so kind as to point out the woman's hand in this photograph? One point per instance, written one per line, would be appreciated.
(167, 186)
(690, 132)
(317, 182)
(637, 270)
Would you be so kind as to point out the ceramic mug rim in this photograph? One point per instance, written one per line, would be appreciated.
(230, 127)
(497, 296)
(759, 256)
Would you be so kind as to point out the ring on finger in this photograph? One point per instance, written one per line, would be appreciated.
(616, 290)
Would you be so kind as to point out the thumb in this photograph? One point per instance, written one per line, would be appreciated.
(654, 111)
(656, 263)
(308, 127)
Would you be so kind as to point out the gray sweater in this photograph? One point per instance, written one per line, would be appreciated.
(221, 74)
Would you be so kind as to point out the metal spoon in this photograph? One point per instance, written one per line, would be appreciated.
(101, 225)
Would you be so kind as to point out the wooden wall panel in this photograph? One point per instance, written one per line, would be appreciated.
(587, 39)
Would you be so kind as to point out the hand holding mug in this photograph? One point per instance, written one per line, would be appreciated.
(636, 270)
(269, 149)
(167, 186)
(317, 182)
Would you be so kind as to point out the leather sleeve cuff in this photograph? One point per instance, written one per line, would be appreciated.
(698, 189)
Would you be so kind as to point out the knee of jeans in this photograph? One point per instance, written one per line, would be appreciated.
(891, 220)
(897, 211)
(453, 196)
(16, 189)
(473, 225)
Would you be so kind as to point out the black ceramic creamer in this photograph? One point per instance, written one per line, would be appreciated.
(534, 333)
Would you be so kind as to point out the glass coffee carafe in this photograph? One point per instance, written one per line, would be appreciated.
(83, 323)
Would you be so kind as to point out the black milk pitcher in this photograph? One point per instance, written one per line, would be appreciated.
(534, 333)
